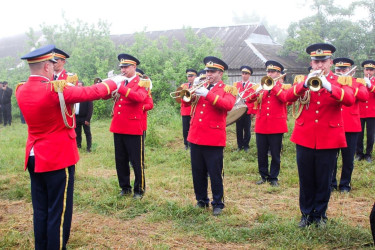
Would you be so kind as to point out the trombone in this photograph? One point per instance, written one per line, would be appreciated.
(187, 94)
(349, 73)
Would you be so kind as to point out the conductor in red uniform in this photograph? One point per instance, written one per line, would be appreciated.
(367, 113)
(243, 124)
(352, 123)
(51, 149)
(207, 134)
(59, 67)
(270, 124)
(318, 132)
(191, 74)
(127, 127)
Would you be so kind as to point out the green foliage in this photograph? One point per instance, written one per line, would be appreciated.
(334, 25)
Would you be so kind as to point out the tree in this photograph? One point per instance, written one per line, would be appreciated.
(334, 25)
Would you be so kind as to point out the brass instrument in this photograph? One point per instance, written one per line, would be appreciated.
(315, 83)
(268, 82)
(97, 80)
(349, 73)
(187, 94)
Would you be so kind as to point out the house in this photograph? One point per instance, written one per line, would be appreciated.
(241, 45)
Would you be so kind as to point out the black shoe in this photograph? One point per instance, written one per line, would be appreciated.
(201, 204)
(246, 150)
(137, 196)
(368, 158)
(126, 192)
(274, 183)
(333, 188)
(359, 157)
(217, 211)
(344, 191)
(304, 222)
(88, 150)
(262, 181)
(320, 223)
(186, 147)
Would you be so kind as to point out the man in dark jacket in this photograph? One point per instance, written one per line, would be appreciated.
(83, 117)
(6, 104)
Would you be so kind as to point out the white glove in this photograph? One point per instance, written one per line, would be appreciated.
(326, 84)
(150, 84)
(259, 88)
(202, 91)
(368, 82)
(312, 74)
(196, 81)
(185, 99)
(117, 79)
(110, 74)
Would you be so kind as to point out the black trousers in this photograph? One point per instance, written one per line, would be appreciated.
(79, 124)
(347, 162)
(185, 128)
(372, 222)
(208, 160)
(315, 168)
(7, 113)
(369, 124)
(129, 148)
(52, 198)
(272, 142)
(1, 113)
(243, 131)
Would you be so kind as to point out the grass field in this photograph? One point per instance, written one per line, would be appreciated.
(255, 217)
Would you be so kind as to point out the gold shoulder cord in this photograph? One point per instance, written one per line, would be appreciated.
(302, 101)
(59, 87)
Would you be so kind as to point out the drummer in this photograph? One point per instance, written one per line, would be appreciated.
(270, 123)
(243, 124)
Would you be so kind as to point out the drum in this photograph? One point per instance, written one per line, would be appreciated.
(237, 111)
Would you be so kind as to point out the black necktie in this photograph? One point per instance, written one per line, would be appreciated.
(54, 77)
(243, 84)
(126, 82)
(210, 86)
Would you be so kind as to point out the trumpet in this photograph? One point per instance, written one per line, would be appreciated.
(268, 82)
(315, 83)
(187, 94)
(349, 73)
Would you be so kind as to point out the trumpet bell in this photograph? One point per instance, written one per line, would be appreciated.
(315, 84)
(267, 83)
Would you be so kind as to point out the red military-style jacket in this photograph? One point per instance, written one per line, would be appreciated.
(208, 122)
(320, 124)
(147, 105)
(271, 113)
(250, 105)
(350, 115)
(128, 109)
(54, 144)
(63, 75)
(367, 108)
(185, 106)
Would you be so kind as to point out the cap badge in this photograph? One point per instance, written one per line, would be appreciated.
(210, 64)
(319, 52)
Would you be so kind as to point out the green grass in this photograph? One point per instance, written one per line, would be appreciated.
(255, 217)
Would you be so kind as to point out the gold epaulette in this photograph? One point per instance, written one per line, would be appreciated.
(345, 80)
(361, 80)
(72, 78)
(286, 86)
(235, 84)
(144, 83)
(19, 84)
(59, 85)
(231, 89)
(298, 79)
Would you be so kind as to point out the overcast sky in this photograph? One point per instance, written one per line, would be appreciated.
(133, 16)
